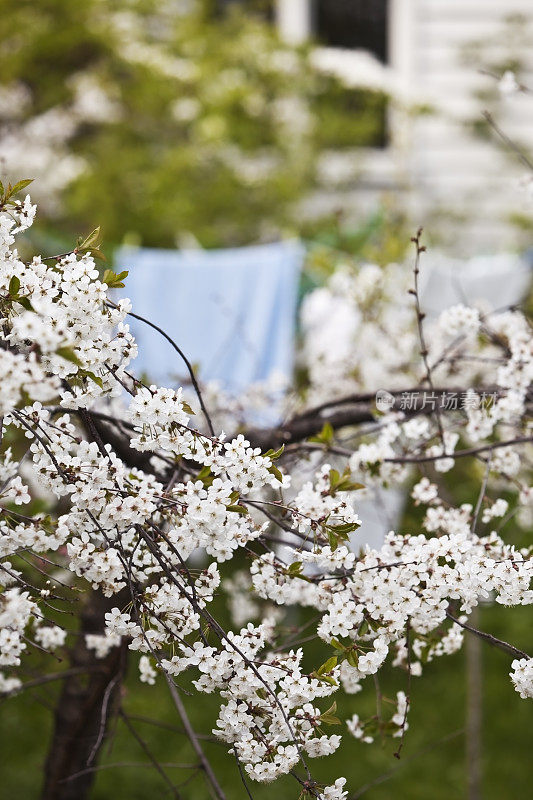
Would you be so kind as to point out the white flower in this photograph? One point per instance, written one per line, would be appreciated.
(522, 676)
(335, 791)
(147, 672)
(50, 637)
(101, 644)
(460, 320)
(497, 509)
(508, 84)
(424, 492)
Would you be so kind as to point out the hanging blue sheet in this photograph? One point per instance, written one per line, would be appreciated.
(231, 311)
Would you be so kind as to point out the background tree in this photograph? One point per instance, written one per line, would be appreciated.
(160, 119)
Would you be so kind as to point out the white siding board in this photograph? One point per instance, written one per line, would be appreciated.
(459, 33)
(459, 9)
(449, 166)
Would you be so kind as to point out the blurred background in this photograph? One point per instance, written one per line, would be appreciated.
(225, 122)
(299, 135)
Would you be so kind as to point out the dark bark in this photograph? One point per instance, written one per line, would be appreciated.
(341, 413)
(302, 427)
(118, 436)
(85, 706)
(354, 410)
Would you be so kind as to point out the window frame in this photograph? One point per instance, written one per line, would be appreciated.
(294, 20)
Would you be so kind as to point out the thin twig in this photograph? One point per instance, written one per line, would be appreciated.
(424, 352)
(385, 777)
(241, 773)
(509, 142)
(103, 720)
(459, 453)
(508, 648)
(121, 764)
(193, 738)
(148, 752)
(408, 695)
(183, 357)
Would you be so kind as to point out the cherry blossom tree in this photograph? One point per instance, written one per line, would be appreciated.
(148, 502)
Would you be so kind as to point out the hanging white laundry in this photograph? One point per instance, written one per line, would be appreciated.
(500, 280)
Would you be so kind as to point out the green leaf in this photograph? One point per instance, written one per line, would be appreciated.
(206, 476)
(204, 473)
(276, 473)
(69, 355)
(328, 717)
(237, 509)
(25, 303)
(89, 240)
(328, 665)
(334, 477)
(337, 645)
(186, 407)
(344, 528)
(332, 539)
(113, 280)
(325, 679)
(325, 436)
(20, 185)
(294, 569)
(274, 454)
(97, 253)
(374, 468)
(87, 374)
(342, 483)
(352, 658)
(14, 286)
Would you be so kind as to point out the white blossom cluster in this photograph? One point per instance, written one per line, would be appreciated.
(366, 730)
(522, 676)
(269, 714)
(354, 328)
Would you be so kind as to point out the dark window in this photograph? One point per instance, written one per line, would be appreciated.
(353, 24)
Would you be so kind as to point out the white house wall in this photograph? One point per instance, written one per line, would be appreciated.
(450, 168)
(461, 187)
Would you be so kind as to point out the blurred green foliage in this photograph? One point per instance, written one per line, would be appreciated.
(210, 125)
